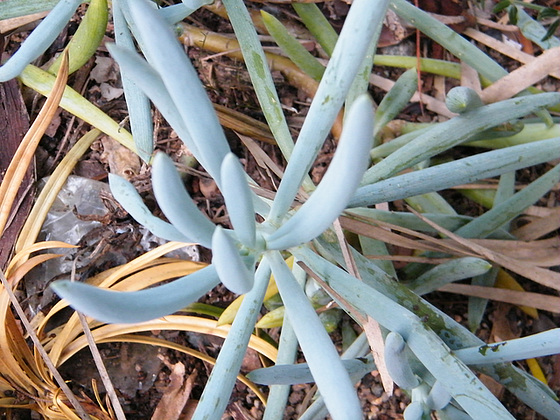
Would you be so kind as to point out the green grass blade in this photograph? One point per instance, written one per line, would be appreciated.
(449, 39)
(293, 49)
(77, 105)
(259, 72)
(450, 133)
(462, 171)
(504, 212)
(318, 25)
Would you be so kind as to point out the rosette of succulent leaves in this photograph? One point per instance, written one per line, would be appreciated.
(426, 352)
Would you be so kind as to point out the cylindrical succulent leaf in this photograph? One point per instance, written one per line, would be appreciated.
(396, 360)
(128, 197)
(438, 397)
(230, 266)
(176, 203)
(139, 306)
(40, 39)
(337, 186)
(239, 200)
(462, 99)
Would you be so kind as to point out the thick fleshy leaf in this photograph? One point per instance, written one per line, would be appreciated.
(462, 171)
(146, 78)
(536, 345)
(239, 200)
(460, 381)
(528, 389)
(137, 103)
(177, 12)
(40, 39)
(130, 307)
(128, 197)
(300, 373)
(231, 268)
(362, 21)
(396, 99)
(176, 203)
(324, 362)
(337, 186)
(450, 133)
(397, 362)
(214, 399)
(16, 8)
(163, 51)
(447, 272)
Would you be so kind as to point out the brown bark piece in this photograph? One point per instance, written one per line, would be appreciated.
(14, 123)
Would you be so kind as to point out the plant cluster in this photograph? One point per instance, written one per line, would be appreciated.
(410, 342)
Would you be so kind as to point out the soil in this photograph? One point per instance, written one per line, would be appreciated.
(141, 374)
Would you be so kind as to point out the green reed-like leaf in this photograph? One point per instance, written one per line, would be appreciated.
(396, 99)
(534, 31)
(462, 171)
(291, 46)
(176, 203)
(137, 103)
(504, 212)
(455, 131)
(261, 78)
(318, 25)
(131, 307)
(39, 40)
(340, 180)
(87, 38)
(448, 272)
(77, 105)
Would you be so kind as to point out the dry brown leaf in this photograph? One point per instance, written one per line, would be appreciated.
(176, 394)
(537, 274)
(539, 227)
(524, 77)
(543, 253)
(533, 300)
(121, 160)
(504, 48)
